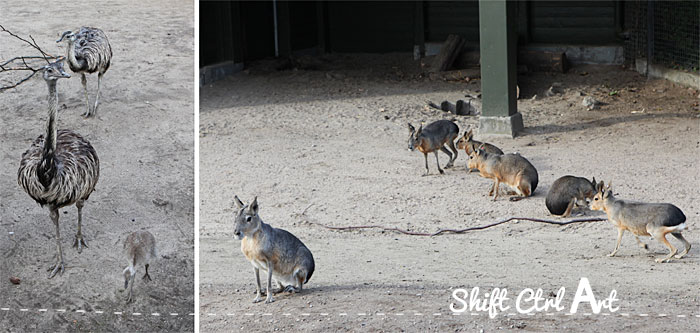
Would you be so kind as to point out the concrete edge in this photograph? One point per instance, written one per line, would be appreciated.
(215, 72)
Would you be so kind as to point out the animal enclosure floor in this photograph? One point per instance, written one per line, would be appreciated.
(335, 138)
(143, 137)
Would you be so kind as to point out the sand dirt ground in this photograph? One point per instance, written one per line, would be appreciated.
(143, 137)
(334, 135)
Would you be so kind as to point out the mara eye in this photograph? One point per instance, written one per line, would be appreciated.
(596, 199)
(247, 219)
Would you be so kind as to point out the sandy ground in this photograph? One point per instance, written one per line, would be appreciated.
(143, 137)
(335, 135)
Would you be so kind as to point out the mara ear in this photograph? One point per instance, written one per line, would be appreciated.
(420, 130)
(253, 209)
(239, 203)
(608, 193)
(481, 149)
(411, 128)
(469, 134)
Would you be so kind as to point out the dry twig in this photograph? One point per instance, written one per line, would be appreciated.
(457, 231)
(14, 64)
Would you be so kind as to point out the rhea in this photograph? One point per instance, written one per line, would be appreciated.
(88, 52)
(140, 248)
(60, 168)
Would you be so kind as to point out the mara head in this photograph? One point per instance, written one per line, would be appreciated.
(476, 157)
(54, 71)
(247, 219)
(465, 141)
(589, 194)
(68, 35)
(414, 137)
(603, 193)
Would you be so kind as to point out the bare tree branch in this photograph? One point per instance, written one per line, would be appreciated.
(22, 63)
(456, 231)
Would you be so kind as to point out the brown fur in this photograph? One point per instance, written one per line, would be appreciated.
(510, 169)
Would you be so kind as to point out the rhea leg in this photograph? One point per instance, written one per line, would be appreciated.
(83, 80)
(58, 266)
(97, 98)
(146, 277)
(79, 240)
(620, 232)
(685, 243)
(437, 160)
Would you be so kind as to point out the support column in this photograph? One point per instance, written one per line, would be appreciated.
(498, 43)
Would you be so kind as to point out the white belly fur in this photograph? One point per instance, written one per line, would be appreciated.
(286, 280)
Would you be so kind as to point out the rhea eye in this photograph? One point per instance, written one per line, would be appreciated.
(247, 219)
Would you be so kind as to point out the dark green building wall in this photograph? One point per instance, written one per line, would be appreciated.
(244, 30)
(573, 22)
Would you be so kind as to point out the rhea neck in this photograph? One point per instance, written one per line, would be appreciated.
(71, 56)
(47, 168)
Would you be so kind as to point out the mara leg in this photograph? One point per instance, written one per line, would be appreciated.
(97, 98)
(660, 235)
(444, 150)
(58, 266)
(257, 291)
(280, 287)
(437, 160)
(427, 170)
(567, 212)
(620, 232)
(299, 277)
(454, 150)
(79, 240)
(641, 244)
(269, 298)
(496, 187)
(685, 243)
(83, 80)
(524, 189)
(131, 289)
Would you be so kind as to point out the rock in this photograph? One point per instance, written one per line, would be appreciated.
(590, 103)
(15, 280)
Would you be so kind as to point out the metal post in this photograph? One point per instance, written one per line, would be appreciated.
(274, 18)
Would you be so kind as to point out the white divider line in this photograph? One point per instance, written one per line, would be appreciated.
(118, 313)
(24, 310)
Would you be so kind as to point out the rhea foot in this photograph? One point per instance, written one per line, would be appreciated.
(79, 242)
(58, 267)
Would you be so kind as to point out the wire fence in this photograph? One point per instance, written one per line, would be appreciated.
(666, 32)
